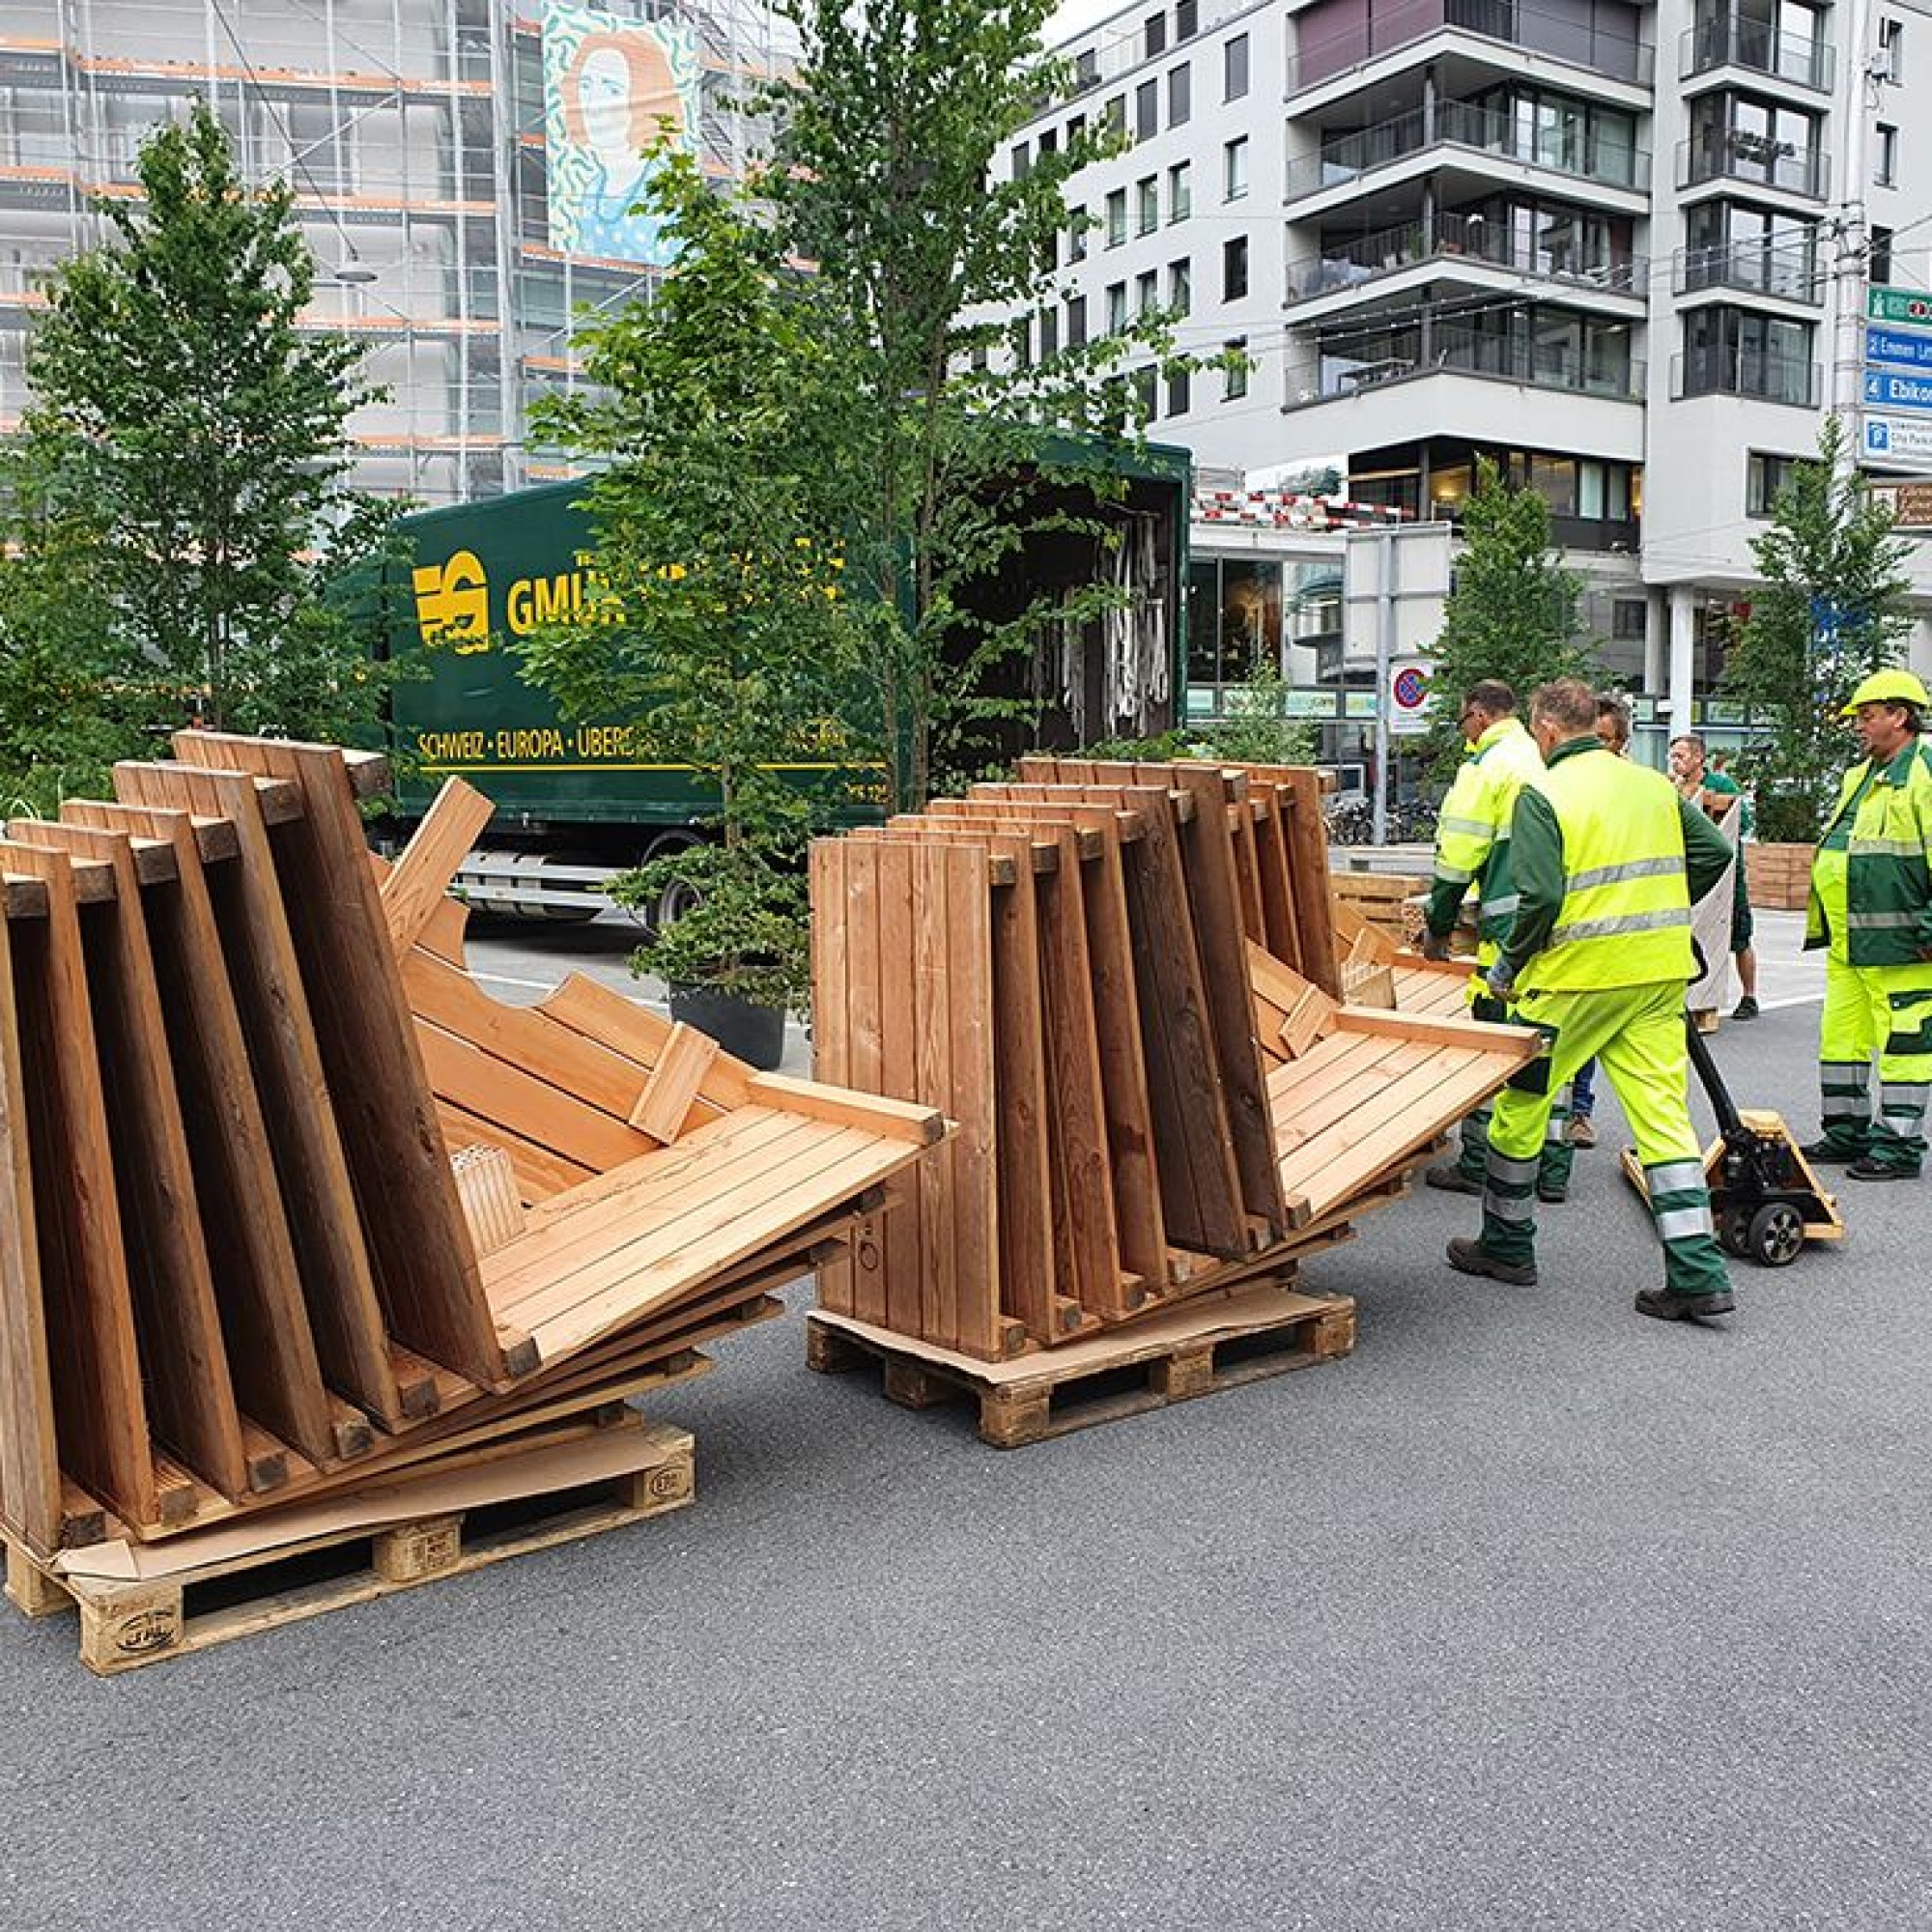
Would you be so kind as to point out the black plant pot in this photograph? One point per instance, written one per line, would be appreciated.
(754, 1032)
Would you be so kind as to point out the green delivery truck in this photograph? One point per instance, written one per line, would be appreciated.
(576, 800)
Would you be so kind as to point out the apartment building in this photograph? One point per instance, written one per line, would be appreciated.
(1621, 248)
(462, 168)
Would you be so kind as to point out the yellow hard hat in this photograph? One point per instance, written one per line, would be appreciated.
(1887, 687)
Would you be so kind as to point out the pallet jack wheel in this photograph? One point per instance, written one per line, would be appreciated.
(1776, 1235)
(1734, 1226)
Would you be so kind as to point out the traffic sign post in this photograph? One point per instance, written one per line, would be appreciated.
(1896, 388)
(1897, 442)
(1908, 305)
(1408, 693)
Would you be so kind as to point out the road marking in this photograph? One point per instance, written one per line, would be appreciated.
(504, 979)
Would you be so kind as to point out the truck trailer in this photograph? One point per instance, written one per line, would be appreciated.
(576, 801)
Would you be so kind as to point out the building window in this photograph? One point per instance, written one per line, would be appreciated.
(1878, 256)
(1890, 49)
(1076, 127)
(1235, 269)
(1178, 386)
(1630, 620)
(1735, 352)
(1235, 169)
(1186, 19)
(1154, 35)
(1180, 288)
(1116, 114)
(1116, 307)
(1146, 390)
(1077, 224)
(1147, 205)
(1763, 478)
(1022, 341)
(1117, 217)
(1076, 321)
(1235, 371)
(1180, 191)
(1048, 142)
(1235, 68)
(1086, 67)
(1049, 335)
(1180, 95)
(1147, 110)
(1886, 174)
(1022, 162)
(1147, 291)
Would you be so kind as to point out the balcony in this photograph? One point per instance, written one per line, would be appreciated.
(1759, 268)
(1726, 41)
(1455, 348)
(1460, 124)
(1757, 373)
(1468, 237)
(1734, 153)
(1520, 28)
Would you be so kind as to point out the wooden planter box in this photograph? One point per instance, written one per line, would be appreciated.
(1778, 877)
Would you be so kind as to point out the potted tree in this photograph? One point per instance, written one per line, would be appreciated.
(717, 632)
(1832, 610)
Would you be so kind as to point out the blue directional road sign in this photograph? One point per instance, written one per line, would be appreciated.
(1904, 348)
(1885, 390)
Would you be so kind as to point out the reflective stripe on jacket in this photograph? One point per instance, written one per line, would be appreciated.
(1871, 879)
(1474, 829)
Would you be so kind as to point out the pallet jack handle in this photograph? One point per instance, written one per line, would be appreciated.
(1729, 1121)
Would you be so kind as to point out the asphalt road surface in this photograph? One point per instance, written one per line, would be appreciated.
(1531, 1613)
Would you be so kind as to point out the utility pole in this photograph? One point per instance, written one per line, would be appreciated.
(1385, 593)
(1851, 235)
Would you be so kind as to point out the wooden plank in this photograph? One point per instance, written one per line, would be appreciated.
(1482, 1035)
(830, 1054)
(426, 1272)
(1279, 934)
(420, 880)
(865, 999)
(30, 1476)
(603, 1014)
(486, 1185)
(878, 1113)
(1035, 1232)
(889, 1248)
(667, 1099)
(100, 1407)
(271, 1003)
(191, 1404)
(264, 1321)
(1313, 1016)
(955, 1231)
(540, 1172)
(1308, 876)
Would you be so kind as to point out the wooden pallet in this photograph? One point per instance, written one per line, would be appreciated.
(125, 1625)
(1193, 1349)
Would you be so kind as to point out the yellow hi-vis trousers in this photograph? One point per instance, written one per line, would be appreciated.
(1887, 1011)
(1637, 1035)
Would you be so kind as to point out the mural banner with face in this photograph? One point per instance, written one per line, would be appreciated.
(610, 86)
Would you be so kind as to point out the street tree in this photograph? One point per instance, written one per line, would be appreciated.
(1513, 610)
(1833, 607)
(194, 435)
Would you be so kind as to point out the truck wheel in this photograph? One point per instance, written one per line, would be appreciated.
(1776, 1233)
(676, 899)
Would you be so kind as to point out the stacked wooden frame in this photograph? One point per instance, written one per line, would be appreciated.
(237, 1266)
(1076, 968)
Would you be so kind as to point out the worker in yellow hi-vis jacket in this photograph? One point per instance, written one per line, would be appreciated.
(1473, 836)
(1607, 860)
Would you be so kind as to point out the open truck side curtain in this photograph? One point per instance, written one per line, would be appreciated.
(578, 800)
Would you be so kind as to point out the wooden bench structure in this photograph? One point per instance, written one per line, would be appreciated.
(1125, 983)
(240, 1266)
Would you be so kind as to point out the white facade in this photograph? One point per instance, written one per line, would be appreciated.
(1605, 242)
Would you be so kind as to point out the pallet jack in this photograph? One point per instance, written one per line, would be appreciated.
(1765, 1198)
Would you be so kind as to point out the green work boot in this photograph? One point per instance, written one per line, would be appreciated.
(1467, 1257)
(1667, 1305)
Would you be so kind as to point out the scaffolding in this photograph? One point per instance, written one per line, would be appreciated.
(412, 133)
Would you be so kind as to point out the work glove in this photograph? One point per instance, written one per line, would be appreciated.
(1435, 945)
(1500, 980)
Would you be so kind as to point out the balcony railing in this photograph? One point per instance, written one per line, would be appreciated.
(1760, 372)
(1759, 267)
(1734, 153)
(1346, 265)
(1455, 348)
(1515, 23)
(1463, 124)
(1726, 41)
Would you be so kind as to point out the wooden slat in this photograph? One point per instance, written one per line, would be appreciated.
(540, 1172)
(890, 1249)
(830, 1056)
(338, 1286)
(191, 1404)
(1308, 876)
(1281, 934)
(486, 1185)
(601, 1013)
(30, 1475)
(101, 1411)
(667, 1099)
(420, 880)
(425, 1269)
(271, 1349)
